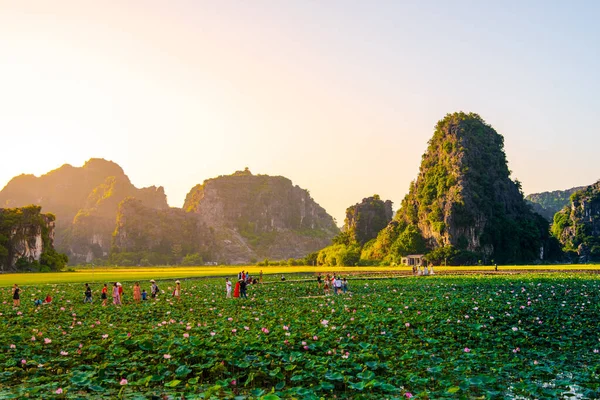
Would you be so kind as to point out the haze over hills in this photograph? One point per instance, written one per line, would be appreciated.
(233, 219)
(549, 203)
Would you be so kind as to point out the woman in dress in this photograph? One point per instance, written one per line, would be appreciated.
(116, 295)
(137, 293)
(16, 295)
(177, 291)
(236, 291)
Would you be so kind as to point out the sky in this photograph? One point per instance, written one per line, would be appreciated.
(339, 96)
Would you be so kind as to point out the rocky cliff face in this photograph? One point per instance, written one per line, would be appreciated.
(364, 220)
(258, 216)
(85, 202)
(25, 233)
(464, 199)
(577, 226)
(549, 203)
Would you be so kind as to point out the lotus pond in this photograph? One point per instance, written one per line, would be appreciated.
(522, 336)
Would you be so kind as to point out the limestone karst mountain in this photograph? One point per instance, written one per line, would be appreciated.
(463, 205)
(85, 201)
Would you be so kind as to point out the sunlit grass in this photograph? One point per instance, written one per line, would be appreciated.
(112, 274)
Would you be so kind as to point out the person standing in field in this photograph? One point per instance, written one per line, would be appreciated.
(228, 287)
(16, 295)
(177, 291)
(345, 285)
(326, 286)
(104, 295)
(88, 294)
(137, 293)
(120, 292)
(116, 295)
(319, 280)
(243, 289)
(153, 289)
(236, 291)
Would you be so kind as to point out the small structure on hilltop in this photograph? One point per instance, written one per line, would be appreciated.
(414, 260)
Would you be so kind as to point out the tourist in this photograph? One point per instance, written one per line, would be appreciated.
(116, 295)
(243, 276)
(120, 288)
(48, 299)
(177, 291)
(37, 302)
(104, 295)
(137, 293)
(334, 282)
(88, 294)
(236, 290)
(260, 275)
(153, 289)
(16, 295)
(282, 278)
(144, 295)
(240, 275)
(326, 286)
(319, 280)
(228, 288)
(243, 289)
(345, 285)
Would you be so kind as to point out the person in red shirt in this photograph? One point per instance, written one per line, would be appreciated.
(104, 295)
(48, 299)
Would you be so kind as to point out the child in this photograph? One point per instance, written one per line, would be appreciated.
(104, 295)
(144, 295)
(16, 295)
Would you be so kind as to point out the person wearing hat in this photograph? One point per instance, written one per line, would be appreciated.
(153, 289)
(120, 291)
(177, 291)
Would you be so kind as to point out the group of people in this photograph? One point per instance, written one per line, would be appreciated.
(423, 270)
(244, 279)
(334, 282)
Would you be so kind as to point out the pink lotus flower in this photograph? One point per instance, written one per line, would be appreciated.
(305, 347)
(64, 353)
(19, 313)
(315, 337)
(58, 391)
(23, 361)
(265, 331)
(105, 336)
(12, 346)
(324, 322)
(247, 328)
(408, 395)
(212, 334)
(167, 356)
(123, 382)
(233, 382)
(229, 319)
(186, 335)
(286, 328)
(233, 330)
(407, 325)
(47, 341)
(33, 338)
(467, 350)
(188, 328)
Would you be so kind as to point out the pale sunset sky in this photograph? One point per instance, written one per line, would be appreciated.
(339, 96)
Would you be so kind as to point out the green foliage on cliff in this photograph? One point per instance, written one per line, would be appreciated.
(549, 203)
(577, 225)
(26, 240)
(464, 198)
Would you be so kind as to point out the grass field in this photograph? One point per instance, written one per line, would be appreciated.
(124, 274)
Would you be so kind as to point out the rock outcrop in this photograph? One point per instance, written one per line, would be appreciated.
(549, 203)
(364, 220)
(26, 237)
(85, 202)
(464, 200)
(260, 216)
(577, 225)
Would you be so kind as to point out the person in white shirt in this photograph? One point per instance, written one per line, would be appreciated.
(338, 285)
(228, 287)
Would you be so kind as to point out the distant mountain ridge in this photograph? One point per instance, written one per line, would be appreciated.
(239, 218)
(549, 203)
(85, 201)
